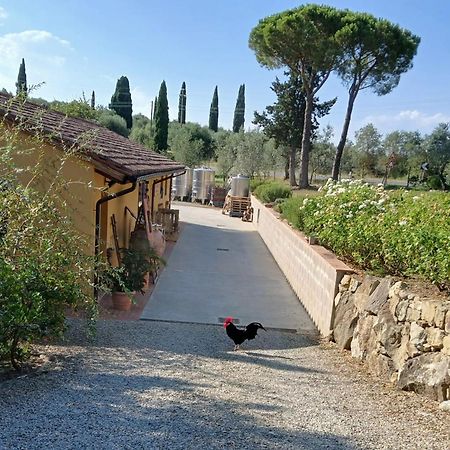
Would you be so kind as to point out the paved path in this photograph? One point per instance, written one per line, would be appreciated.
(155, 385)
(221, 267)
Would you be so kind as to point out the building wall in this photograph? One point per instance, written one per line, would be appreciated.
(47, 168)
(81, 188)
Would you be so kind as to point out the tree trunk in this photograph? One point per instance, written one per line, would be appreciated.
(292, 155)
(286, 168)
(343, 139)
(306, 141)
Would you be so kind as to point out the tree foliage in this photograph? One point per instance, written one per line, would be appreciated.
(239, 110)
(121, 101)
(438, 152)
(21, 85)
(161, 119)
(190, 144)
(375, 53)
(283, 121)
(303, 40)
(214, 112)
(114, 122)
(182, 105)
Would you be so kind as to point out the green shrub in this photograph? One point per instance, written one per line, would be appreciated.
(43, 267)
(269, 192)
(255, 182)
(113, 122)
(398, 232)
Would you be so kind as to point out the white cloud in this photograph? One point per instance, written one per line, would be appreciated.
(3, 14)
(407, 120)
(45, 54)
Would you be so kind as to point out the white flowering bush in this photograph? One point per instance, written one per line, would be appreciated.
(395, 232)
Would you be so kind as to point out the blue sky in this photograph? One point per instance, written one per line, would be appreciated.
(76, 46)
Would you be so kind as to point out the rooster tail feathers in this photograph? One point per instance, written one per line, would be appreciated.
(256, 325)
(251, 329)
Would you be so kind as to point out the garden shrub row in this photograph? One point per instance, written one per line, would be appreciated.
(270, 191)
(389, 232)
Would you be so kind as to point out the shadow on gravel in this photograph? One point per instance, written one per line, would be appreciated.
(94, 407)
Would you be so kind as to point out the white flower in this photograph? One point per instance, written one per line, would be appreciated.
(415, 198)
(403, 222)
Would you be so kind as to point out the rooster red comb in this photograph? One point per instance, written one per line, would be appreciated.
(227, 321)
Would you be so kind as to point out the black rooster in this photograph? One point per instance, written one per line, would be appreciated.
(239, 336)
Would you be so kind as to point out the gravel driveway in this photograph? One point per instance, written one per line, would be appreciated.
(157, 385)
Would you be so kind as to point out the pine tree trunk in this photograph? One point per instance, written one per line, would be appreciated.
(306, 141)
(343, 139)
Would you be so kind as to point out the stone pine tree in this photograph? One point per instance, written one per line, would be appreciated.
(121, 101)
(161, 119)
(93, 100)
(239, 111)
(214, 112)
(182, 105)
(21, 84)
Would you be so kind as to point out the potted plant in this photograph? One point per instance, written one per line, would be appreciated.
(127, 279)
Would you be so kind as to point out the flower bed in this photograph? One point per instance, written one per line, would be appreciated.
(399, 232)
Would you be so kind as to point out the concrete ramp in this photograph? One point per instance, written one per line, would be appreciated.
(221, 267)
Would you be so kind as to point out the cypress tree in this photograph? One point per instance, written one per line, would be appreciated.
(239, 111)
(214, 112)
(21, 84)
(182, 105)
(121, 101)
(93, 100)
(161, 119)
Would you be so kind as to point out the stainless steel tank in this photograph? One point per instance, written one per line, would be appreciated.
(240, 186)
(182, 185)
(202, 183)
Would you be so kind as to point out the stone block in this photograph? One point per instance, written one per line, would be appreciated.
(414, 312)
(429, 310)
(435, 338)
(354, 284)
(345, 320)
(382, 366)
(417, 335)
(447, 322)
(396, 288)
(345, 283)
(440, 315)
(401, 310)
(379, 296)
(337, 299)
(446, 345)
(428, 374)
(364, 339)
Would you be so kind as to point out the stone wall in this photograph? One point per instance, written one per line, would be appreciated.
(402, 336)
(313, 272)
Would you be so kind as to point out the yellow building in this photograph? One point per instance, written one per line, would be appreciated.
(108, 179)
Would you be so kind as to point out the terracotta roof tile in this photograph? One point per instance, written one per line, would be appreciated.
(111, 153)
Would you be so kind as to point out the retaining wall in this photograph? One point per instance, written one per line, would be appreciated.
(313, 272)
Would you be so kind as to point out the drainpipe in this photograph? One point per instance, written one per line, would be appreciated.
(97, 221)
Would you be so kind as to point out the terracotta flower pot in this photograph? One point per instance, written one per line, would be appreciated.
(121, 301)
